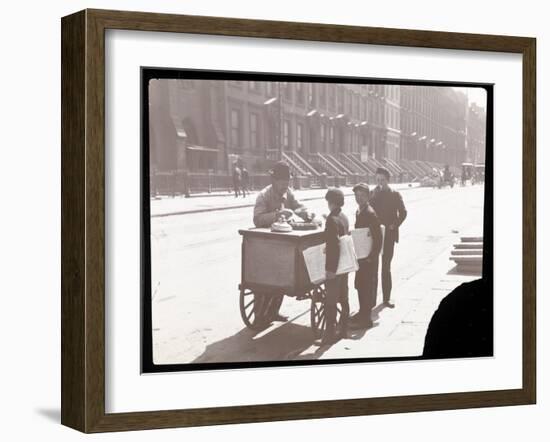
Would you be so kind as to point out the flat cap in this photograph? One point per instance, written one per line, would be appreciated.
(361, 186)
(383, 171)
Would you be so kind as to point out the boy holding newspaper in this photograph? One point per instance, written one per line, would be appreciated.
(336, 226)
(366, 278)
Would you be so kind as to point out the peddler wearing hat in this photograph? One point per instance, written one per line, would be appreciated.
(278, 199)
(272, 202)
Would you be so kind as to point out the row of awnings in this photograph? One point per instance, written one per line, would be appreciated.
(316, 113)
(424, 138)
(202, 149)
(340, 117)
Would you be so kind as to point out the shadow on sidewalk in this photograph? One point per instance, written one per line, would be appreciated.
(283, 343)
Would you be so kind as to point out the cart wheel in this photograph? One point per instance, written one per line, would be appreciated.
(317, 312)
(254, 309)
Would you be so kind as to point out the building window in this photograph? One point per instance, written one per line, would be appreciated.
(300, 93)
(236, 83)
(331, 97)
(254, 131)
(340, 99)
(323, 134)
(299, 136)
(254, 86)
(311, 95)
(236, 128)
(322, 95)
(287, 91)
(369, 114)
(270, 88)
(286, 134)
(331, 134)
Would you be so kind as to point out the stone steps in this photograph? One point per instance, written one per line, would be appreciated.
(468, 254)
(472, 239)
(469, 245)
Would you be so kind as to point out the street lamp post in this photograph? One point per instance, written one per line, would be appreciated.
(280, 125)
(275, 106)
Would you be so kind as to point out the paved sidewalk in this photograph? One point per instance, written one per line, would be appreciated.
(179, 205)
(198, 322)
(401, 331)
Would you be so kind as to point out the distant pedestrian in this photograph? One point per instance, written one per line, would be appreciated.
(464, 176)
(366, 278)
(186, 185)
(237, 179)
(391, 212)
(245, 181)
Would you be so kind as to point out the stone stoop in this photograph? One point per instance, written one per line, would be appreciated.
(468, 255)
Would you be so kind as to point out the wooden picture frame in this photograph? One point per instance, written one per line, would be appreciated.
(83, 219)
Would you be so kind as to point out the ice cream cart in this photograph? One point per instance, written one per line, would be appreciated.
(273, 265)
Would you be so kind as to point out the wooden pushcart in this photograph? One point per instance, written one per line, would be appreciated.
(272, 266)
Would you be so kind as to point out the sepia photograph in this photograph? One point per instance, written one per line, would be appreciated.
(266, 220)
(301, 220)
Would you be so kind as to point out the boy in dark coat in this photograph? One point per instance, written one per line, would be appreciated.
(391, 212)
(366, 279)
(337, 225)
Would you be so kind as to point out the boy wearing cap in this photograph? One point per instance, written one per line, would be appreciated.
(391, 212)
(366, 278)
(336, 225)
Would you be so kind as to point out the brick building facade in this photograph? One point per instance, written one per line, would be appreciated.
(475, 134)
(203, 126)
(434, 124)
